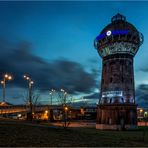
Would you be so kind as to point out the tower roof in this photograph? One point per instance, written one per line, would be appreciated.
(118, 17)
(118, 22)
(117, 37)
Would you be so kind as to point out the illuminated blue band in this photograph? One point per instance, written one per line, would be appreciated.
(114, 32)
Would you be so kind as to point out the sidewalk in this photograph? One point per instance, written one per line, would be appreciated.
(75, 124)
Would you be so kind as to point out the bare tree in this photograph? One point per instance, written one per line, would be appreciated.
(65, 100)
(35, 98)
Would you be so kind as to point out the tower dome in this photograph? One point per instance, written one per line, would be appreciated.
(119, 36)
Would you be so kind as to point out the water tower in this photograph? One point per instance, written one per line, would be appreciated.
(117, 45)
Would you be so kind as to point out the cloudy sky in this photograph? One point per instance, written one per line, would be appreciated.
(53, 43)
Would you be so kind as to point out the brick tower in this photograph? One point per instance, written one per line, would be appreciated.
(117, 45)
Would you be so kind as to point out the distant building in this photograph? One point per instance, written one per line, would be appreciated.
(142, 113)
(5, 104)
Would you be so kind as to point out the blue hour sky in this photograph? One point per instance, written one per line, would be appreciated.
(52, 41)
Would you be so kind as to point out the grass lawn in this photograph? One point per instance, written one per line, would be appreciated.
(18, 134)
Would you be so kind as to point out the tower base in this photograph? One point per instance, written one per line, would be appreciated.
(115, 127)
(117, 117)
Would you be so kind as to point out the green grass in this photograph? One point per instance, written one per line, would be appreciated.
(17, 134)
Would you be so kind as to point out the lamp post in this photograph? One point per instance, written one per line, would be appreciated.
(3, 82)
(65, 116)
(51, 95)
(64, 96)
(141, 112)
(65, 107)
(51, 110)
(30, 83)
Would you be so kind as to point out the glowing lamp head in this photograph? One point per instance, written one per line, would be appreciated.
(27, 78)
(62, 90)
(46, 111)
(66, 108)
(6, 75)
(10, 78)
(2, 82)
(24, 76)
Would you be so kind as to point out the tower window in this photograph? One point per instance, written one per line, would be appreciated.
(111, 80)
(134, 37)
(134, 48)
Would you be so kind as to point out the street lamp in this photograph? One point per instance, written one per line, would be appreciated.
(62, 90)
(30, 83)
(64, 96)
(51, 110)
(7, 77)
(66, 108)
(141, 112)
(51, 95)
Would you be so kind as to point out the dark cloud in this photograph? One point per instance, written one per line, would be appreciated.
(143, 66)
(94, 60)
(96, 72)
(17, 59)
(144, 69)
(142, 95)
(92, 96)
